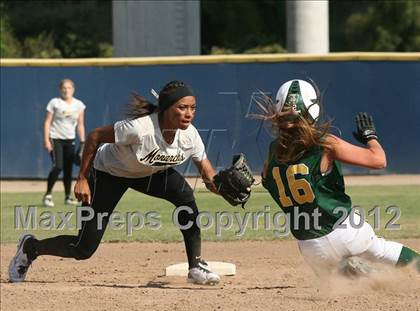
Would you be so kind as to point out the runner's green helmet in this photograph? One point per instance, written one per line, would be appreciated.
(301, 96)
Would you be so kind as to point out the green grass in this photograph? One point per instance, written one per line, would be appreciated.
(404, 197)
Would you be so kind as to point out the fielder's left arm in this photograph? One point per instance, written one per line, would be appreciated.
(207, 173)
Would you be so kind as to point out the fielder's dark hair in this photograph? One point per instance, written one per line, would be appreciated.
(169, 87)
(140, 106)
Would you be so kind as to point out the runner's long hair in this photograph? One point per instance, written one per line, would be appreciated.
(294, 133)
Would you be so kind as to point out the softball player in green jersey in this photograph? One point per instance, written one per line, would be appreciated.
(303, 175)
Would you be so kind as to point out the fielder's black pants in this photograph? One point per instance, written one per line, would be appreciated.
(106, 191)
(62, 157)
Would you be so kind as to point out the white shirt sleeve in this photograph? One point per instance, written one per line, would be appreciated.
(51, 105)
(199, 152)
(82, 106)
(126, 132)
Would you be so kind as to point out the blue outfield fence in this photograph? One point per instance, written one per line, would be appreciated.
(387, 89)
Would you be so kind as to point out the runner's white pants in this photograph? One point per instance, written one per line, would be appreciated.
(329, 250)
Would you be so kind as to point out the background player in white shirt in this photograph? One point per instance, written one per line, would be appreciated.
(64, 115)
(139, 153)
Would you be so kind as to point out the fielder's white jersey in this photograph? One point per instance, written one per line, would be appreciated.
(140, 149)
(65, 117)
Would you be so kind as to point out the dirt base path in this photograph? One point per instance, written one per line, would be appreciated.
(271, 275)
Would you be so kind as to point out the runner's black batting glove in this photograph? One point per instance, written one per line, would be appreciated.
(365, 128)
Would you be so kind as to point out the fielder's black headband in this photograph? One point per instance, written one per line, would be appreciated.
(167, 99)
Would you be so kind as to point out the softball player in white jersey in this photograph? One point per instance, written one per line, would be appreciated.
(64, 115)
(139, 153)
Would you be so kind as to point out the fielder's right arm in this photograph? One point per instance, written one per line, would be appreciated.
(95, 138)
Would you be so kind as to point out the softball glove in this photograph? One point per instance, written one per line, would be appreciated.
(234, 183)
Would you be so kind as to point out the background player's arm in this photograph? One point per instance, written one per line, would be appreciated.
(98, 136)
(372, 156)
(47, 123)
(207, 173)
(81, 126)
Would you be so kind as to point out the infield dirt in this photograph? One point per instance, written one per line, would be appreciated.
(271, 275)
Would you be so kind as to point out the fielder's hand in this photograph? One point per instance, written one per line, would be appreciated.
(211, 186)
(82, 190)
(365, 128)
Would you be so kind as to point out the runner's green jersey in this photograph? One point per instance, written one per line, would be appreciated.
(300, 189)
